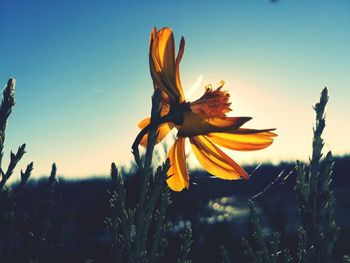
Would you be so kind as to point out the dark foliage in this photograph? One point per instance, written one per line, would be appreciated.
(83, 207)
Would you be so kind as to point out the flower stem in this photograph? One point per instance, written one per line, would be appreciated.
(144, 131)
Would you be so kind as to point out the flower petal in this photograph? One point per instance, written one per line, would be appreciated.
(177, 65)
(162, 64)
(194, 124)
(216, 161)
(238, 140)
(178, 175)
(162, 130)
(228, 122)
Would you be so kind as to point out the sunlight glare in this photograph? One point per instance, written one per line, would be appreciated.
(192, 89)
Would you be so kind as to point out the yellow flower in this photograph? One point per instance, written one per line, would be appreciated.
(203, 121)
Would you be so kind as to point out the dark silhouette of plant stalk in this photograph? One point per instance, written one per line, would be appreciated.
(7, 104)
(186, 246)
(139, 234)
(318, 231)
(265, 251)
(8, 215)
(49, 237)
(224, 255)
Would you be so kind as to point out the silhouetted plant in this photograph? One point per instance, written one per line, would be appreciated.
(140, 234)
(48, 238)
(185, 249)
(9, 237)
(318, 231)
(224, 255)
(264, 251)
(7, 104)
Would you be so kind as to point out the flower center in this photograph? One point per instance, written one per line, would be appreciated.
(213, 103)
(177, 110)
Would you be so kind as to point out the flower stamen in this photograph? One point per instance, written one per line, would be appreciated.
(213, 103)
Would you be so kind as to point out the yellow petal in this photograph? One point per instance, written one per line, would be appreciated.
(164, 111)
(228, 122)
(194, 124)
(155, 68)
(216, 161)
(177, 69)
(162, 64)
(142, 124)
(177, 173)
(238, 140)
(162, 130)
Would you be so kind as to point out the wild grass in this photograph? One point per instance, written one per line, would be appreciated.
(318, 230)
(7, 196)
(40, 243)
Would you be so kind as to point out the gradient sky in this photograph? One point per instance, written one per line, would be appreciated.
(83, 80)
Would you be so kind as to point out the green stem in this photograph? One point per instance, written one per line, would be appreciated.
(149, 127)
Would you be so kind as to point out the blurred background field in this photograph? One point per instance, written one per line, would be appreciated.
(217, 211)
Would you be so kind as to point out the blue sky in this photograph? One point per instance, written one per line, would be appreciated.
(83, 80)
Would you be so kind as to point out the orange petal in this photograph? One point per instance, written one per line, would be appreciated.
(216, 161)
(155, 67)
(177, 65)
(178, 175)
(164, 111)
(142, 124)
(162, 64)
(228, 122)
(194, 124)
(254, 131)
(243, 139)
(162, 130)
